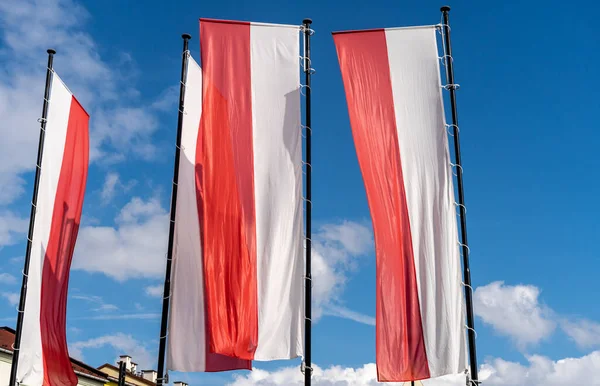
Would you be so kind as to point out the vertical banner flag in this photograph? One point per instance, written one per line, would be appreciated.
(44, 357)
(237, 279)
(393, 91)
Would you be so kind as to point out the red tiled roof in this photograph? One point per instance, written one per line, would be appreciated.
(7, 338)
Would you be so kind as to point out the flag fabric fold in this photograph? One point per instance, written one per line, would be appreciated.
(237, 290)
(187, 342)
(393, 91)
(44, 356)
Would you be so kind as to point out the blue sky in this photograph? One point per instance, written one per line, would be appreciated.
(527, 104)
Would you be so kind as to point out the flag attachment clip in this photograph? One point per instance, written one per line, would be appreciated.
(303, 368)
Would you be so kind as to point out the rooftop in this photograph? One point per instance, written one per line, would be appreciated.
(7, 339)
(129, 374)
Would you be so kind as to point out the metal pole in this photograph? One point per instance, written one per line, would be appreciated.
(461, 198)
(21, 310)
(308, 278)
(122, 373)
(167, 290)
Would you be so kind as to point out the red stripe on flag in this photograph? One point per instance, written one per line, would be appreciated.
(66, 216)
(365, 71)
(226, 191)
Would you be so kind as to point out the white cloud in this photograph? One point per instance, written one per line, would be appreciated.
(88, 298)
(538, 371)
(542, 371)
(140, 316)
(108, 190)
(135, 247)
(28, 29)
(121, 344)
(120, 122)
(168, 99)
(11, 226)
(100, 305)
(343, 312)
(106, 307)
(345, 238)
(113, 185)
(337, 251)
(12, 297)
(16, 260)
(11, 185)
(514, 311)
(155, 290)
(127, 129)
(585, 333)
(6, 278)
(335, 375)
(331, 376)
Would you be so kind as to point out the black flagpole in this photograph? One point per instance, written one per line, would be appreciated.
(461, 197)
(167, 291)
(308, 279)
(122, 373)
(21, 310)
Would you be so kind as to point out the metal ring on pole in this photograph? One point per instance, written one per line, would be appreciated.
(467, 247)
(451, 86)
(455, 126)
(472, 329)
(302, 87)
(462, 206)
(306, 91)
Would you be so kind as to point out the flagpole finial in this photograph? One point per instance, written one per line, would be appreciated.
(307, 21)
(186, 36)
(51, 51)
(445, 8)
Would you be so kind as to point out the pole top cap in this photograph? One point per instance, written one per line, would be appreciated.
(51, 51)
(307, 21)
(445, 8)
(186, 36)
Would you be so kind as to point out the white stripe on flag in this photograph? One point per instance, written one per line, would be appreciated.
(393, 90)
(31, 365)
(186, 349)
(44, 356)
(277, 190)
(425, 160)
(240, 197)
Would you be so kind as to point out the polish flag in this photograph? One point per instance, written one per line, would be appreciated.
(237, 274)
(43, 356)
(393, 92)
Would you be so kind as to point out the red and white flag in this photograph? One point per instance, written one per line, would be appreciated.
(393, 91)
(43, 356)
(237, 275)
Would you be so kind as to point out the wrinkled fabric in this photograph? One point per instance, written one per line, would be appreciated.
(392, 83)
(44, 355)
(187, 343)
(243, 188)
